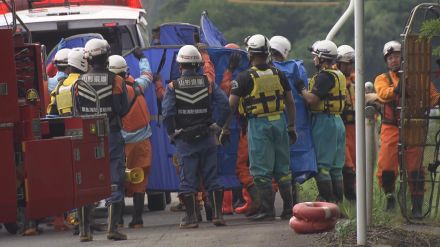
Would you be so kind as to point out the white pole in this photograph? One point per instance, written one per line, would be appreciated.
(370, 112)
(341, 21)
(360, 122)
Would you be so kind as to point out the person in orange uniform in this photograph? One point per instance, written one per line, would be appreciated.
(388, 89)
(242, 171)
(345, 63)
(136, 130)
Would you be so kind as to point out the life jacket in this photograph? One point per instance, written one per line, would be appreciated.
(102, 82)
(348, 114)
(267, 96)
(63, 94)
(390, 113)
(334, 101)
(192, 101)
(138, 115)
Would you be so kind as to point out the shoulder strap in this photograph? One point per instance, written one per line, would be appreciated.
(390, 81)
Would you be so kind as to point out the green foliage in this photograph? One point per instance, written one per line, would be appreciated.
(430, 29)
(384, 21)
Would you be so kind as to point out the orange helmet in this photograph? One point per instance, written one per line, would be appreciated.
(232, 46)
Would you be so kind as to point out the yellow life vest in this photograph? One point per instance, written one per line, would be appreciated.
(334, 101)
(63, 94)
(267, 96)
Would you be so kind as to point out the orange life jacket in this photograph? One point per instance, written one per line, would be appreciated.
(138, 115)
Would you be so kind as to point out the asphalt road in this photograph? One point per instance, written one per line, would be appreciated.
(161, 230)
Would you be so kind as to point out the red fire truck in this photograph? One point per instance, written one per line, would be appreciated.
(48, 166)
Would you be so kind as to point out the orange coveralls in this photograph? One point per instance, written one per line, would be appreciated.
(388, 152)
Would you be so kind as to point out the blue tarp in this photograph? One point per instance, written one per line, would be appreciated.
(302, 153)
(178, 34)
(209, 34)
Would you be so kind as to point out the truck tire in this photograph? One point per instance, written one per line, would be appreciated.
(156, 201)
(12, 228)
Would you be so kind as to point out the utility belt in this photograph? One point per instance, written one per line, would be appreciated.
(194, 133)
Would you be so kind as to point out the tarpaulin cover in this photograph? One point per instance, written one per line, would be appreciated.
(302, 153)
(209, 34)
(178, 34)
(162, 60)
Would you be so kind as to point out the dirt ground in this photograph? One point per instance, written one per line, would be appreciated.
(405, 236)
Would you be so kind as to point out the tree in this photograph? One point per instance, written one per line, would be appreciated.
(384, 21)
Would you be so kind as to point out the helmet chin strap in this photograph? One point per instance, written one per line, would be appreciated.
(395, 68)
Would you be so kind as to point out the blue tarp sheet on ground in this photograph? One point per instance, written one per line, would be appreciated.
(302, 153)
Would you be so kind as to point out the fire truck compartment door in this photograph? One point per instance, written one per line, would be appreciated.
(8, 191)
(49, 177)
(91, 171)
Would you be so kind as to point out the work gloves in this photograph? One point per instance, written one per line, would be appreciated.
(291, 130)
(225, 136)
(234, 61)
(299, 86)
(137, 53)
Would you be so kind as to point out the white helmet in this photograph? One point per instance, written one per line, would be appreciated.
(258, 43)
(280, 44)
(60, 58)
(96, 47)
(325, 49)
(390, 47)
(117, 64)
(76, 59)
(189, 54)
(345, 54)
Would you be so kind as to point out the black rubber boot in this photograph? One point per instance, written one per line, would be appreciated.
(114, 214)
(121, 218)
(138, 206)
(294, 193)
(325, 189)
(286, 194)
(338, 190)
(208, 211)
(256, 201)
(190, 218)
(85, 234)
(418, 181)
(388, 183)
(267, 210)
(216, 199)
(349, 177)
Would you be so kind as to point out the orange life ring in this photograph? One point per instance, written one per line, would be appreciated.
(316, 211)
(302, 226)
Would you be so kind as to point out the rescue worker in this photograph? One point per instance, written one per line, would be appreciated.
(345, 63)
(265, 93)
(187, 110)
(113, 102)
(136, 130)
(60, 61)
(326, 100)
(388, 89)
(280, 49)
(61, 97)
(249, 191)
